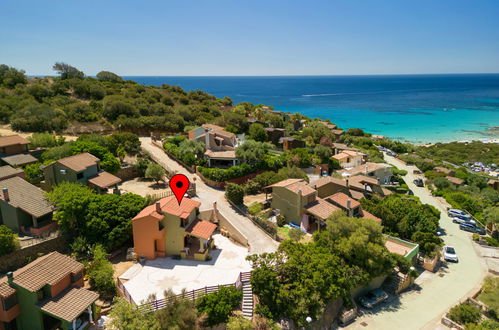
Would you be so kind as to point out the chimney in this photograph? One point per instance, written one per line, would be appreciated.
(158, 208)
(206, 138)
(299, 198)
(366, 169)
(349, 207)
(10, 277)
(365, 186)
(215, 206)
(6, 194)
(347, 182)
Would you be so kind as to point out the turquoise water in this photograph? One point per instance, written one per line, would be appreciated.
(415, 108)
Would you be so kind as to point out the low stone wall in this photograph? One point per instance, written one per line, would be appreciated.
(451, 324)
(218, 184)
(225, 224)
(127, 173)
(22, 257)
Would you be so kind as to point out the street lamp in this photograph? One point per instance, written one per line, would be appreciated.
(308, 319)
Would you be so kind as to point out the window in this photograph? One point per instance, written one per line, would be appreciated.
(76, 277)
(79, 176)
(10, 302)
(183, 222)
(40, 294)
(160, 226)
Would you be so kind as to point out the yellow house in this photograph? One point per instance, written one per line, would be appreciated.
(169, 228)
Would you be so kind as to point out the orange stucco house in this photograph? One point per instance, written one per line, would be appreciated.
(167, 228)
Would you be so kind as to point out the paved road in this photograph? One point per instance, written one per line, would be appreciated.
(259, 241)
(422, 309)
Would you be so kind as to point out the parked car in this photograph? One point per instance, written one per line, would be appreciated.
(410, 192)
(373, 298)
(450, 254)
(419, 182)
(472, 228)
(461, 220)
(458, 213)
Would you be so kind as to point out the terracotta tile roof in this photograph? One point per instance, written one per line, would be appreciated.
(201, 229)
(295, 185)
(230, 154)
(337, 131)
(454, 180)
(363, 179)
(321, 208)
(25, 196)
(104, 180)
(11, 140)
(48, 269)
(219, 130)
(367, 215)
(69, 304)
(8, 171)
(356, 194)
(342, 200)
(5, 289)
(79, 162)
(326, 180)
(340, 156)
(19, 159)
(492, 181)
(170, 205)
(442, 170)
(361, 169)
(386, 192)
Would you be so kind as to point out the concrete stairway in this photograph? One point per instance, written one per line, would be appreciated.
(247, 305)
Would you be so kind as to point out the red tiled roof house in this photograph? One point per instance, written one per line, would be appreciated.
(167, 228)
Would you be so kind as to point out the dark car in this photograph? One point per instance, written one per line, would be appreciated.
(372, 298)
(419, 182)
(472, 228)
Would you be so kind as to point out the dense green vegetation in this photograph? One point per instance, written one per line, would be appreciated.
(101, 273)
(459, 153)
(56, 103)
(218, 306)
(91, 218)
(8, 240)
(464, 314)
(490, 294)
(299, 280)
(180, 314)
(406, 217)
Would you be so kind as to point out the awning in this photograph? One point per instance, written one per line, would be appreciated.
(104, 180)
(69, 304)
(201, 229)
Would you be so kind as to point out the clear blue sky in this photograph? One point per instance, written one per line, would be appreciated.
(232, 37)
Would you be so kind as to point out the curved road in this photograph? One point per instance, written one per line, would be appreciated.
(258, 240)
(422, 309)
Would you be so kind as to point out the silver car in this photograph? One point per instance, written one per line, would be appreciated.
(450, 254)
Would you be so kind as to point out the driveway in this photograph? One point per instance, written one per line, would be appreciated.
(158, 275)
(259, 241)
(423, 308)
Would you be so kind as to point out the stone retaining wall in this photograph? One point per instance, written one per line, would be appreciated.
(22, 257)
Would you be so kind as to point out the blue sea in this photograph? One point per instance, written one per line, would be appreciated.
(415, 108)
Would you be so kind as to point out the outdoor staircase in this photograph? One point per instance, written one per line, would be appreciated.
(247, 305)
(393, 282)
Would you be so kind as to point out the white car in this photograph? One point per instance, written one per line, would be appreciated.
(450, 254)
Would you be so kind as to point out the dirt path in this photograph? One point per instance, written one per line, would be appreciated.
(259, 241)
(6, 130)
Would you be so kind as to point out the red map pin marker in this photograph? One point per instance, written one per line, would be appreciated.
(179, 184)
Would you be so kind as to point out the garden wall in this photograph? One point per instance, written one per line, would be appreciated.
(218, 184)
(22, 257)
(225, 224)
(127, 173)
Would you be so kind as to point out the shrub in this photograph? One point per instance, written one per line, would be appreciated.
(155, 171)
(141, 166)
(255, 208)
(281, 220)
(33, 174)
(239, 323)
(218, 305)
(465, 313)
(296, 234)
(235, 193)
(476, 237)
(8, 240)
(101, 272)
(266, 225)
(492, 241)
